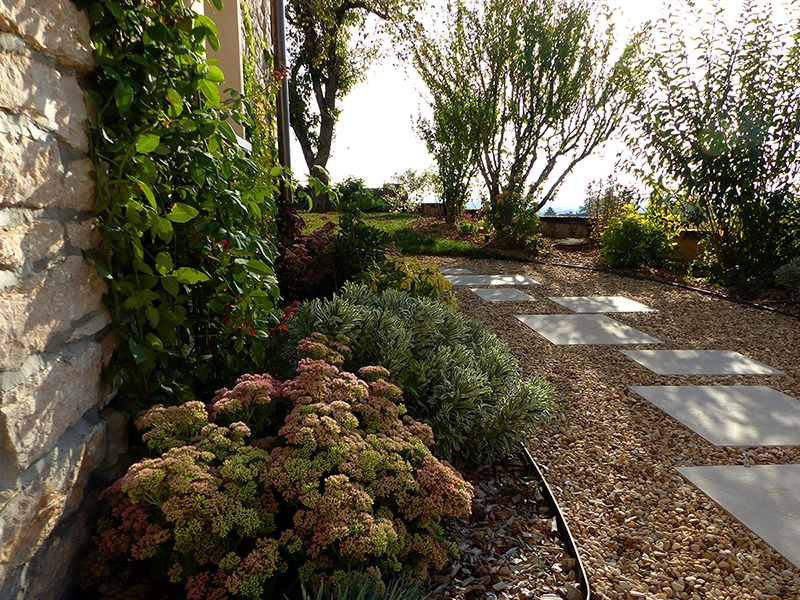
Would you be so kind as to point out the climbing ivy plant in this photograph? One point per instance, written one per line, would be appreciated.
(261, 91)
(186, 215)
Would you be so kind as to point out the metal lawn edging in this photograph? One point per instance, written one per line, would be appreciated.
(561, 524)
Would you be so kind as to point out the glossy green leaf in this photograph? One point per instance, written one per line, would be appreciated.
(138, 353)
(260, 267)
(189, 275)
(123, 97)
(182, 213)
(147, 142)
(165, 230)
(102, 270)
(145, 189)
(176, 103)
(170, 284)
(96, 13)
(152, 315)
(198, 173)
(116, 10)
(227, 131)
(210, 91)
(215, 74)
(163, 263)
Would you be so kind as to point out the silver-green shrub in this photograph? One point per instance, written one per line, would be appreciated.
(788, 276)
(456, 375)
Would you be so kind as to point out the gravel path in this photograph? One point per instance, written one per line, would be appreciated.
(644, 531)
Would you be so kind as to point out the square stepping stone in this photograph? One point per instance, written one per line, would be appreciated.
(454, 271)
(699, 362)
(763, 497)
(480, 280)
(733, 415)
(601, 304)
(502, 295)
(585, 329)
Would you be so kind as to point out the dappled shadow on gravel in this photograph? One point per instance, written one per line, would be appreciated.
(642, 529)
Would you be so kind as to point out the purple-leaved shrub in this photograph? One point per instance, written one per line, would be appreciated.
(245, 493)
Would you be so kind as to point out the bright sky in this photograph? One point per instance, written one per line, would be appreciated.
(375, 136)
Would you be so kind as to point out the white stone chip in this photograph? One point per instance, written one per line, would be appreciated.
(503, 295)
(699, 362)
(763, 497)
(479, 280)
(585, 329)
(734, 415)
(601, 304)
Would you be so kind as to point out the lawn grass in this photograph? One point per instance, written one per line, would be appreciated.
(406, 239)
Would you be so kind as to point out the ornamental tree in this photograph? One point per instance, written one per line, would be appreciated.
(330, 51)
(717, 130)
(529, 85)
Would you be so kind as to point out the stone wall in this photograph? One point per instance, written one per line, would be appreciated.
(54, 429)
(567, 226)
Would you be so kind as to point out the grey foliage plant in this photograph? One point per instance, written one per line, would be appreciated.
(788, 276)
(456, 375)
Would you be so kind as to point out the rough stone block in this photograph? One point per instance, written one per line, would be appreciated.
(84, 235)
(54, 101)
(94, 324)
(30, 242)
(79, 187)
(32, 172)
(48, 492)
(117, 438)
(56, 28)
(55, 567)
(54, 394)
(45, 305)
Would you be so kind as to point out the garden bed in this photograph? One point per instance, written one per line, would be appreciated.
(515, 544)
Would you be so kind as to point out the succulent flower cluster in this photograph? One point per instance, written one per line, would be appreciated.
(342, 480)
(456, 375)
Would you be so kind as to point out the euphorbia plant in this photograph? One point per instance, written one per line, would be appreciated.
(313, 476)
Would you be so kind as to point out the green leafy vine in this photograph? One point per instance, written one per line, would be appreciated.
(260, 91)
(187, 216)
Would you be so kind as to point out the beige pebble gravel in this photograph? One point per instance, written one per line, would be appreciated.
(643, 531)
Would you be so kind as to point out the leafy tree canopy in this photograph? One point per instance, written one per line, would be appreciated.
(521, 90)
(717, 130)
(331, 46)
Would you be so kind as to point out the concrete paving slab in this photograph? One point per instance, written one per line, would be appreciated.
(454, 271)
(480, 280)
(503, 295)
(732, 415)
(763, 497)
(601, 304)
(585, 329)
(699, 362)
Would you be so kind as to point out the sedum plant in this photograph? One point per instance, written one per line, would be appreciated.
(457, 376)
(314, 475)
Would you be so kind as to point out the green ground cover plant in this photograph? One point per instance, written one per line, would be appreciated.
(632, 239)
(407, 240)
(457, 376)
(270, 481)
(409, 275)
